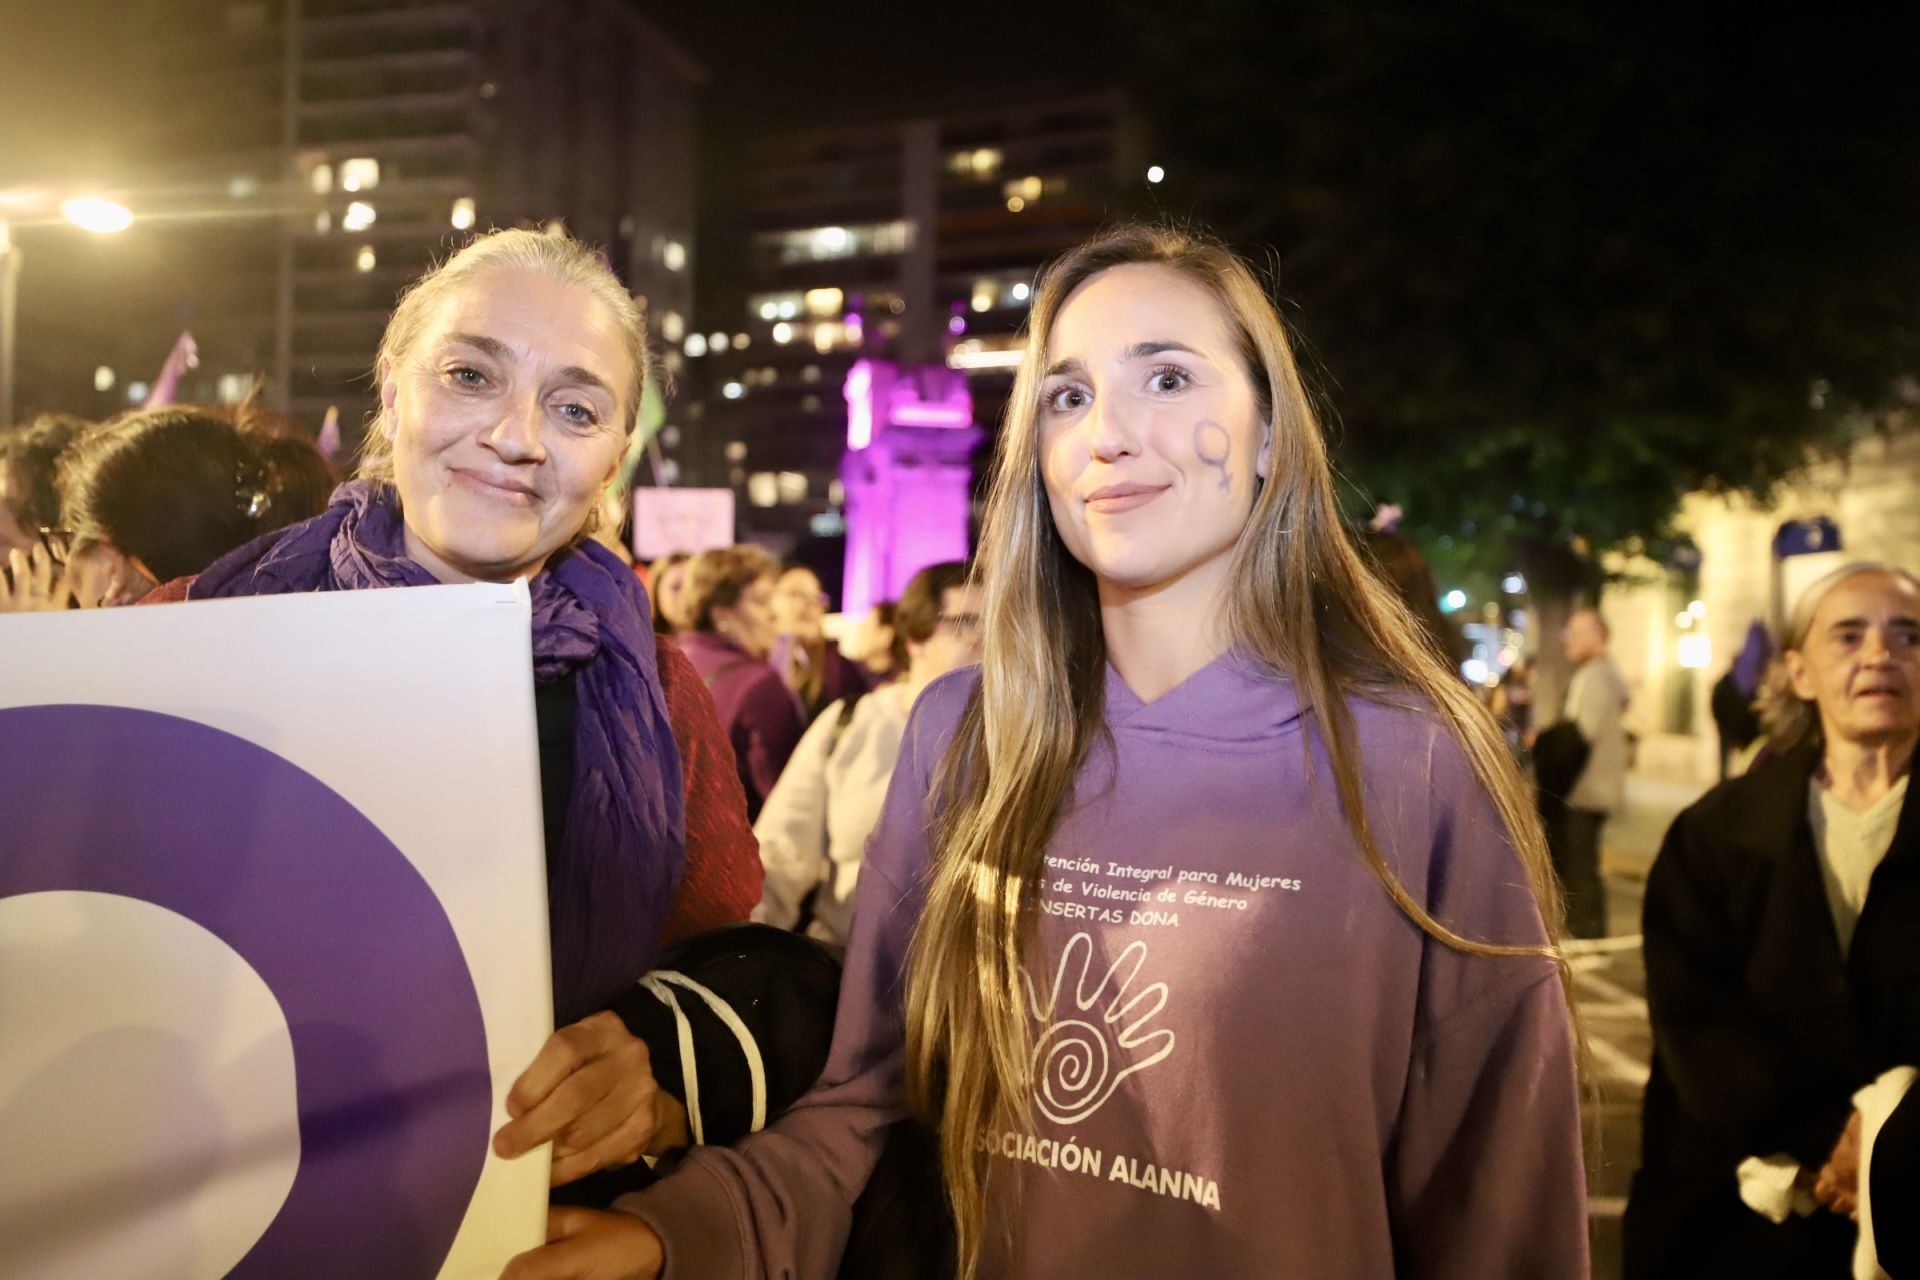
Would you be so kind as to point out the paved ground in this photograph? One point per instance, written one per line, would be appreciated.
(1610, 986)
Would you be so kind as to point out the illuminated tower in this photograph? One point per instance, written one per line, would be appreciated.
(906, 474)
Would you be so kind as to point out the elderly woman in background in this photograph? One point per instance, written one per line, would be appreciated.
(810, 664)
(729, 608)
(508, 380)
(1783, 978)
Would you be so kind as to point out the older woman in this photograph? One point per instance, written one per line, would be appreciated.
(728, 599)
(1782, 972)
(508, 379)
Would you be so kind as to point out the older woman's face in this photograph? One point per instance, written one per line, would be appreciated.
(506, 422)
(1860, 663)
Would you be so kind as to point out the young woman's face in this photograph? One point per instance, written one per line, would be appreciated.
(748, 622)
(1860, 663)
(505, 419)
(799, 604)
(1151, 441)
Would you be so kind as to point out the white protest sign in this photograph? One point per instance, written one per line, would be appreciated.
(272, 937)
(690, 520)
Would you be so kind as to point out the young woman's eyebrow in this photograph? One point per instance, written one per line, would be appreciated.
(1141, 350)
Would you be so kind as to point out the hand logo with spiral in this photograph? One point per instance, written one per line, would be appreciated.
(1101, 1036)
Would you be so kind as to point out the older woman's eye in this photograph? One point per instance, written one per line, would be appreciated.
(581, 415)
(466, 376)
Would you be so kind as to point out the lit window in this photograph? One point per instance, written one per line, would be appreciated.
(322, 223)
(793, 487)
(1026, 189)
(696, 345)
(832, 240)
(674, 256)
(103, 379)
(821, 244)
(741, 341)
(1015, 204)
(321, 178)
(358, 217)
(734, 390)
(836, 492)
(1156, 173)
(809, 404)
(669, 437)
(783, 333)
(763, 489)
(829, 334)
(898, 306)
(736, 451)
(672, 327)
(234, 387)
(669, 471)
(983, 296)
(361, 174)
(824, 302)
(717, 342)
(244, 186)
(1021, 291)
(810, 373)
(463, 213)
(555, 227)
(768, 310)
(986, 162)
(365, 259)
(137, 392)
(789, 309)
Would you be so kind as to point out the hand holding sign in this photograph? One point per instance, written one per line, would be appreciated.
(585, 1244)
(591, 1092)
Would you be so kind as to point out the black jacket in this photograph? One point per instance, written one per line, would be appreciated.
(1762, 1031)
(1896, 1190)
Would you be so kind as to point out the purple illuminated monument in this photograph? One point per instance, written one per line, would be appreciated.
(907, 475)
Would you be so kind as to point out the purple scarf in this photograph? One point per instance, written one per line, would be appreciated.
(1751, 665)
(619, 866)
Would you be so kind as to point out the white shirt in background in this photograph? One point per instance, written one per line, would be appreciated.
(813, 828)
(1851, 845)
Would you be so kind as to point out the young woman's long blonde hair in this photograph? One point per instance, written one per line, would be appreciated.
(1302, 602)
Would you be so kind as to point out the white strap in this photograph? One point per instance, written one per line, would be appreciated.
(658, 983)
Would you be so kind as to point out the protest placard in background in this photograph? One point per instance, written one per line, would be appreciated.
(272, 937)
(689, 520)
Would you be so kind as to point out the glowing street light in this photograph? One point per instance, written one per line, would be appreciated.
(96, 214)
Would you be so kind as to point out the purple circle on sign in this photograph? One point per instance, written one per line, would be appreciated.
(389, 1048)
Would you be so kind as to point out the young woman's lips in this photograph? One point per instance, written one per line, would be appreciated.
(1116, 498)
(495, 488)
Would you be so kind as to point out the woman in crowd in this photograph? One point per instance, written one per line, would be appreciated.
(29, 504)
(810, 664)
(876, 647)
(161, 494)
(1205, 920)
(813, 831)
(1782, 972)
(668, 576)
(507, 381)
(728, 599)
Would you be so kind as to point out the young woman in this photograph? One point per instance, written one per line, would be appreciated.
(1204, 922)
(1783, 975)
(809, 664)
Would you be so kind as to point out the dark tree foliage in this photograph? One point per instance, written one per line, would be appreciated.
(1553, 265)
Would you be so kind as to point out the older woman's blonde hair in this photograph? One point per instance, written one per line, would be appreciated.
(1788, 718)
(559, 258)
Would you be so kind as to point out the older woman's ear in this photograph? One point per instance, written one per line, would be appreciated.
(389, 390)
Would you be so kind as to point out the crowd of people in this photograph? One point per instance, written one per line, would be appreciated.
(1185, 912)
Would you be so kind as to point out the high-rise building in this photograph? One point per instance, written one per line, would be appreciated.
(302, 160)
(915, 241)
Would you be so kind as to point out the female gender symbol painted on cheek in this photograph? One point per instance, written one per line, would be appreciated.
(1213, 446)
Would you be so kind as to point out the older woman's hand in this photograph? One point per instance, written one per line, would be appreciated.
(591, 1092)
(586, 1244)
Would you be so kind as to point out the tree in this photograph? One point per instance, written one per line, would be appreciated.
(1551, 265)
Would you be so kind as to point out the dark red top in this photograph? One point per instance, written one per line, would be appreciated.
(721, 884)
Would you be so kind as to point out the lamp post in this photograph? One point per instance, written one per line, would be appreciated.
(91, 213)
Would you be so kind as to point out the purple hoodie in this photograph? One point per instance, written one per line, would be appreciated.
(1257, 1065)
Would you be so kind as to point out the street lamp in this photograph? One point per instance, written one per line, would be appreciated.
(91, 213)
